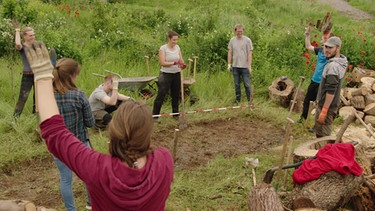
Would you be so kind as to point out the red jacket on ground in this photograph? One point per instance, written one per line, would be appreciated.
(333, 157)
(112, 185)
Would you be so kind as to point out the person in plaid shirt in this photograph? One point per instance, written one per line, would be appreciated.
(75, 109)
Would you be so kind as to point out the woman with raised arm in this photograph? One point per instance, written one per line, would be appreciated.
(133, 176)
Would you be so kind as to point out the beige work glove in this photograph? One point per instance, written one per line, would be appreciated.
(309, 29)
(39, 61)
(115, 81)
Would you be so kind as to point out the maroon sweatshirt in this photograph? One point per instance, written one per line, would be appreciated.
(112, 184)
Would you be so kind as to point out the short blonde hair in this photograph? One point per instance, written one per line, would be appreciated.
(238, 26)
(26, 29)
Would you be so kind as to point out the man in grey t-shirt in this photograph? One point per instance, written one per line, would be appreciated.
(104, 100)
(240, 50)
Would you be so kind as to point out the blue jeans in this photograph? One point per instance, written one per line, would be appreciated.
(245, 74)
(66, 178)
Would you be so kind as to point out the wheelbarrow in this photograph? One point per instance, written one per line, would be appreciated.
(188, 81)
(135, 84)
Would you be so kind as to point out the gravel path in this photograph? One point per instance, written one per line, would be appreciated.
(343, 6)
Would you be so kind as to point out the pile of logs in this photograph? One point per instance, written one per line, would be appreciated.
(362, 98)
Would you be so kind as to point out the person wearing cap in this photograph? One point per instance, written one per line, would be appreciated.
(328, 98)
(240, 49)
(321, 61)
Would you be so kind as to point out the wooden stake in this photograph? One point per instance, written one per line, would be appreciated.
(311, 107)
(195, 66)
(175, 140)
(287, 159)
(182, 118)
(189, 68)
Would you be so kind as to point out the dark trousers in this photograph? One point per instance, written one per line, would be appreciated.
(27, 83)
(312, 92)
(103, 117)
(168, 82)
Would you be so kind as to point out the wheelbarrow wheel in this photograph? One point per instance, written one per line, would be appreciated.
(146, 93)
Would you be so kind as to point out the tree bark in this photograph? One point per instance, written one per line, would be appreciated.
(264, 197)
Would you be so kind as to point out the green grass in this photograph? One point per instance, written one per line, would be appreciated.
(365, 5)
(277, 33)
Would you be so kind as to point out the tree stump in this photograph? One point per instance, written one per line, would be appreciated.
(281, 91)
(298, 106)
(264, 197)
(330, 191)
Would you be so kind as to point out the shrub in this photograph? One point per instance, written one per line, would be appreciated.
(19, 10)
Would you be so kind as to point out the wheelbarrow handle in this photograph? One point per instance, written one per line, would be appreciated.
(96, 74)
(113, 73)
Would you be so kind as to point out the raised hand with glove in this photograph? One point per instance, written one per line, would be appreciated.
(115, 82)
(309, 29)
(39, 61)
(182, 65)
(323, 115)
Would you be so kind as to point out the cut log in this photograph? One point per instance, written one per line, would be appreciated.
(369, 119)
(369, 81)
(370, 109)
(330, 191)
(281, 91)
(344, 100)
(359, 73)
(264, 197)
(369, 98)
(345, 111)
(358, 102)
(363, 90)
(348, 92)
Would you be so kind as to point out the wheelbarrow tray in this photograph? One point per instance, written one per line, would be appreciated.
(134, 84)
(188, 81)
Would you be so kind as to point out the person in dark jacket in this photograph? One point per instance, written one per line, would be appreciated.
(329, 89)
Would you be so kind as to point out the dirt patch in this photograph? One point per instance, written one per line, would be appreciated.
(37, 180)
(230, 138)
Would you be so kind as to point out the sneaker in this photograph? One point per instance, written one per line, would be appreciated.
(88, 206)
